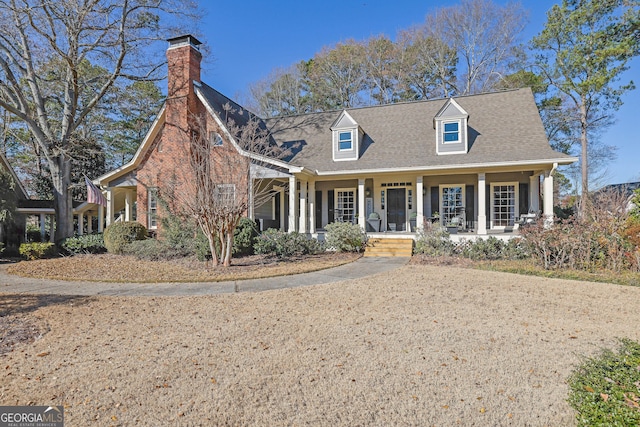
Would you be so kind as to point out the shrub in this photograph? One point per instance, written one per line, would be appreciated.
(490, 248)
(604, 390)
(244, 237)
(149, 249)
(178, 236)
(283, 244)
(434, 241)
(34, 235)
(119, 234)
(345, 237)
(37, 250)
(85, 244)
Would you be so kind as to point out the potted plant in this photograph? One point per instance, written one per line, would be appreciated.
(374, 221)
(452, 225)
(412, 220)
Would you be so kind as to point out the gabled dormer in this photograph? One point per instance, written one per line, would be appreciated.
(451, 129)
(346, 138)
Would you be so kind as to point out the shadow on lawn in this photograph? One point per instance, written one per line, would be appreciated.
(15, 304)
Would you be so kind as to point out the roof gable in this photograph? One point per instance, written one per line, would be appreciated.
(344, 121)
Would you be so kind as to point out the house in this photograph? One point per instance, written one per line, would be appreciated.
(11, 231)
(625, 190)
(478, 161)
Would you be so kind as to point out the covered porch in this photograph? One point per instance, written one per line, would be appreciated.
(474, 203)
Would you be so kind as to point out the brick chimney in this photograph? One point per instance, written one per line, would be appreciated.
(183, 56)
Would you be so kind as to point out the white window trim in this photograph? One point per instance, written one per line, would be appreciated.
(213, 137)
(351, 140)
(464, 199)
(225, 186)
(459, 132)
(516, 211)
(152, 215)
(355, 200)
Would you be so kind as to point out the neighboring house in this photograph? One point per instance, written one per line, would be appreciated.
(480, 161)
(626, 189)
(11, 232)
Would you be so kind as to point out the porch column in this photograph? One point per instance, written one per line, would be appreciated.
(361, 205)
(292, 203)
(100, 218)
(43, 227)
(250, 209)
(110, 212)
(547, 196)
(282, 223)
(419, 204)
(312, 206)
(482, 204)
(89, 223)
(128, 206)
(302, 227)
(80, 223)
(534, 193)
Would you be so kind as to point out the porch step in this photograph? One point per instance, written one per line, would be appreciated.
(389, 248)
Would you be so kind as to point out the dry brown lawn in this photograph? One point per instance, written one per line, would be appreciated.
(119, 268)
(422, 345)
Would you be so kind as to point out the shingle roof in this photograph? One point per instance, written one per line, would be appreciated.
(503, 127)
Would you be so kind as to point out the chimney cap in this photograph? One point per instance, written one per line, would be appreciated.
(186, 39)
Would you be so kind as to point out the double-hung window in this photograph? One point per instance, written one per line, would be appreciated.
(152, 196)
(345, 140)
(451, 132)
(225, 194)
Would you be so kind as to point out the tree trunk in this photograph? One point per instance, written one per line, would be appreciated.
(62, 201)
(212, 247)
(584, 143)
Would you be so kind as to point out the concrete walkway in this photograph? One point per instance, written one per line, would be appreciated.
(359, 268)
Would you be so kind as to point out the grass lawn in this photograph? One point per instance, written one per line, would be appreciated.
(119, 268)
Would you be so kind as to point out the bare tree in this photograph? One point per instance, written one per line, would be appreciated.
(337, 76)
(281, 93)
(53, 103)
(485, 37)
(217, 183)
(381, 70)
(427, 65)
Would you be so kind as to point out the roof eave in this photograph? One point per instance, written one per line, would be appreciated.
(559, 161)
(142, 149)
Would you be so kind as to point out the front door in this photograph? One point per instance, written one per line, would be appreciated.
(396, 209)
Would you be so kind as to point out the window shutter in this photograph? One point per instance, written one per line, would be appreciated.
(435, 200)
(523, 204)
(470, 198)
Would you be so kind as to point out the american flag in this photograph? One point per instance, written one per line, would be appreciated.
(94, 195)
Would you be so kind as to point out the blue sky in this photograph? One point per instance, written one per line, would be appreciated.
(248, 39)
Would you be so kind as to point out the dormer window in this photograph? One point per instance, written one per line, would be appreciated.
(345, 141)
(346, 138)
(451, 132)
(451, 129)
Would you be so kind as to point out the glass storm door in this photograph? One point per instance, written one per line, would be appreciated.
(396, 209)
